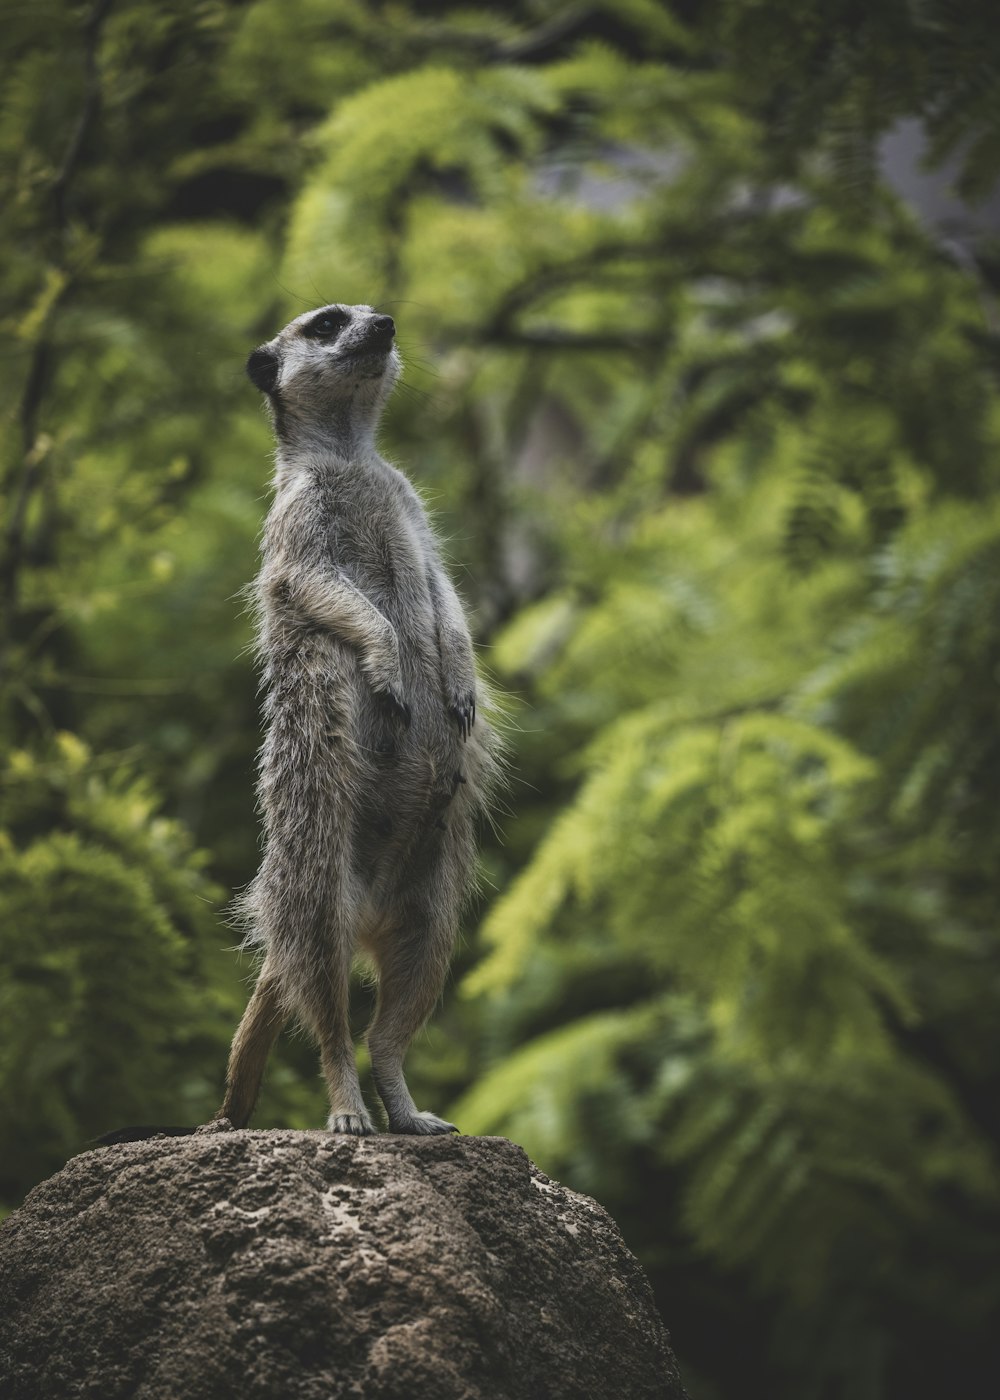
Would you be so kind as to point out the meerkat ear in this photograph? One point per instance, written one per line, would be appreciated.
(262, 369)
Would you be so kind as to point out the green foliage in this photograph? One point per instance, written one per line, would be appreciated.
(711, 425)
(799, 870)
(834, 76)
(111, 999)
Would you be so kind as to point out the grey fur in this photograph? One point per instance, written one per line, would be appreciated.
(377, 762)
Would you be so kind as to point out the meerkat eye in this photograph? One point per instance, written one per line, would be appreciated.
(326, 325)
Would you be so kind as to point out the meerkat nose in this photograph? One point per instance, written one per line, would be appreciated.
(384, 325)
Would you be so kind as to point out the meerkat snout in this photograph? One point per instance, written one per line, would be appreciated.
(262, 368)
(378, 334)
(384, 327)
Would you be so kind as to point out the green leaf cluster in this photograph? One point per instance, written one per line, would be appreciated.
(112, 1000)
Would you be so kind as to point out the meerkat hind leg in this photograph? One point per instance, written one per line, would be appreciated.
(348, 1113)
(412, 965)
(329, 1018)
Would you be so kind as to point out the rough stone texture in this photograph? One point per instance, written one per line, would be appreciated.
(285, 1264)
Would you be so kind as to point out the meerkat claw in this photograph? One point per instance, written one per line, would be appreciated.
(463, 710)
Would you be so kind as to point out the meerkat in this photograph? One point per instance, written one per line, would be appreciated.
(377, 761)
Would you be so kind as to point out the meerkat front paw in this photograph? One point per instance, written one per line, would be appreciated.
(462, 708)
(381, 669)
(400, 709)
(391, 699)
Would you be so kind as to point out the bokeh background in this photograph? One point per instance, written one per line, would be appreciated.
(698, 304)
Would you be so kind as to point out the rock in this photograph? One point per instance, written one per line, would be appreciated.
(287, 1264)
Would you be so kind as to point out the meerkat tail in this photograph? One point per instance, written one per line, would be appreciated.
(252, 1044)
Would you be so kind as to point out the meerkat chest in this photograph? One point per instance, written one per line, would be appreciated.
(376, 540)
(368, 527)
(380, 552)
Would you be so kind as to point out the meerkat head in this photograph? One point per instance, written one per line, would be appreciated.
(327, 367)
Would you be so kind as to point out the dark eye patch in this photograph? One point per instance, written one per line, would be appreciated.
(326, 325)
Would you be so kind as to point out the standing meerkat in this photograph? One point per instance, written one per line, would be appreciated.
(377, 762)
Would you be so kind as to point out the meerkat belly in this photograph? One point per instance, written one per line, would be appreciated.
(324, 716)
(338, 733)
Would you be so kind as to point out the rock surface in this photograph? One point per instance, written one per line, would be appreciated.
(285, 1264)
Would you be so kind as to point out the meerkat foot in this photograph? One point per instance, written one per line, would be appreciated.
(422, 1124)
(356, 1124)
